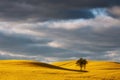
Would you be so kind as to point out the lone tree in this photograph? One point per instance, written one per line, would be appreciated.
(82, 63)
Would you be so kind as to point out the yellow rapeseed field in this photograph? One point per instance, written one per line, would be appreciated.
(64, 70)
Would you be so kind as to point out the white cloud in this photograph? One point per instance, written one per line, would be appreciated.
(113, 54)
(4, 53)
(115, 11)
(99, 22)
(10, 28)
(67, 24)
(56, 44)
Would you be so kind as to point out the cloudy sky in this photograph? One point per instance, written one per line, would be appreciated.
(52, 30)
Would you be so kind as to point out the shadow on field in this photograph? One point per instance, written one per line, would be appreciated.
(117, 62)
(37, 64)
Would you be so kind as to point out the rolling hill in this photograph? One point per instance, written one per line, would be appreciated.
(64, 70)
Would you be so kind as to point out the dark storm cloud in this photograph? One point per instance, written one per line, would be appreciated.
(96, 38)
(20, 43)
(35, 10)
(27, 45)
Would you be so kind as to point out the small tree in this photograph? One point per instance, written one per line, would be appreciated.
(82, 63)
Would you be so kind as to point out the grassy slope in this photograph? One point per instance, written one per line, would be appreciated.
(65, 70)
